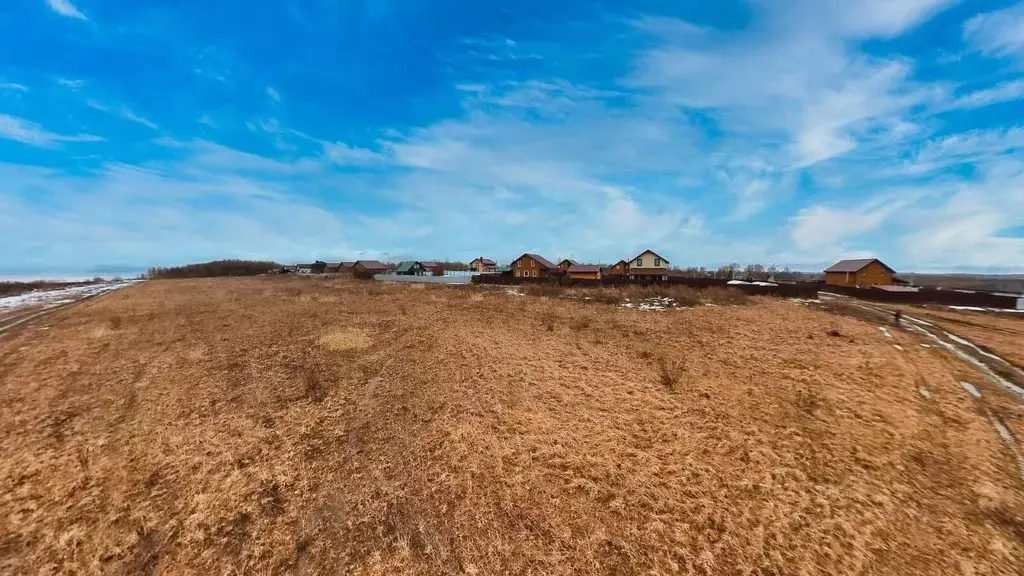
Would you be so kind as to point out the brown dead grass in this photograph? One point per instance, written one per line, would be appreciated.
(346, 339)
(487, 435)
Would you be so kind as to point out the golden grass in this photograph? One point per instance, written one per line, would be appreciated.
(345, 339)
(499, 435)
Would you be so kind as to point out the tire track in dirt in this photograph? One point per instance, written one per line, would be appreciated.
(971, 354)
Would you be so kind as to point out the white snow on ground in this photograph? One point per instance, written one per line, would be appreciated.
(918, 321)
(885, 331)
(971, 389)
(898, 347)
(805, 301)
(656, 304)
(513, 292)
(51, 298)
(926, 345)
(977, 309)
(992, 376)
(925, 392)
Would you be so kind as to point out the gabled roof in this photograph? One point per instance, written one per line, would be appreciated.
(333, 265)
(347, 264)
(585, 268)
(371, 264)
(406, 266)
(660, 257)
(570, 261)
(540, 260)
(488, 262)
(855, 265)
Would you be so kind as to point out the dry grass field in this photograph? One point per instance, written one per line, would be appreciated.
(305, 426)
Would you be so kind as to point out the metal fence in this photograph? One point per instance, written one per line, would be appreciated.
(808, 290)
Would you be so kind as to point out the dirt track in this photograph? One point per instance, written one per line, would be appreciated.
(304, 426)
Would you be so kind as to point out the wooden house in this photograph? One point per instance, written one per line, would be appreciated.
(860, 272)
(584, 272)
(367, 268)
(620, 268)
(483, 265)
(433, 268)
(564, 265)
(648, 265)
(532, 266)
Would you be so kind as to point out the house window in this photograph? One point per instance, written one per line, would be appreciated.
(657, 261)
(533, 263)
(640, 261)
(518, 273)
(534, 273)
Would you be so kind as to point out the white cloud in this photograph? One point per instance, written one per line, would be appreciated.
(824, 228)
(1003, 92)
(13, 86)
(123, 112)
(26, 132)
(274, 95)
(999, 33)
(71, 82)
(66, 8)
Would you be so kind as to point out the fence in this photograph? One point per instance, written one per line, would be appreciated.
(457, 279)
(804, 290)
(931, 296)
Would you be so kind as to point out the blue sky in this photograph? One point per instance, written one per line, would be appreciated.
(793, 132)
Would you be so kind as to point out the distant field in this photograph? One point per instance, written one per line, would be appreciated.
(313, 426)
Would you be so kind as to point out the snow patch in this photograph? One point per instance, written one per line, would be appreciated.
(925, 392)
(971, 389)
(898, 347)
(885, 331)
(51, 298)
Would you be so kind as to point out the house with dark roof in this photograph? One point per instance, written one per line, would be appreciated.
(585, 271)
(532, 266)
(620, 268)
(564, 265)
(367, 268)
(483, 265)
(648, 265)
(410, 268)
(860, 272)
(433, 268)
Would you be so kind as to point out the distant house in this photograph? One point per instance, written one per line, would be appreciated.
(318, 267)
(410, 268)
(564, 265)
(532, 266)
(367, 268)
(346, 268)
(620, 268)
(483, 265)
(333, 268)
(648, 265)
(433, 268)
(584, 272)
(860, 272)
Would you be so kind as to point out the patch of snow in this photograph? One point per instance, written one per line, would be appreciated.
(764, 284)
(514, 292)
(926, 345)
(978, 363)
(925, 392)
(51, 298)
(970, 308)
(1001, 428)
(898, 347)
(885, 331)
(918, 321)
(737, 282)
(971, 389)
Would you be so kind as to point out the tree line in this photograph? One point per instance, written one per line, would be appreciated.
(214, 268)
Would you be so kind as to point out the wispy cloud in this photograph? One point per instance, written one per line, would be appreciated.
(26, 132)
(66, 8)
(122, 111)
(998, 33)
(1003, 92)
(71, 82)
(274, 94)
(13, 86)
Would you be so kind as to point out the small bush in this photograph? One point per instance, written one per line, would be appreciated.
(669, 373)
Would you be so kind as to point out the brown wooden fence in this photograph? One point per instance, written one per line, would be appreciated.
(801, 290)
(929, 296)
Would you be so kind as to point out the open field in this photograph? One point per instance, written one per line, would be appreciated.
(311, 426)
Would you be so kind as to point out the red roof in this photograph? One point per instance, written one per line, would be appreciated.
(540, 260)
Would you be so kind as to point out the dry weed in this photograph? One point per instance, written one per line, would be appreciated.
(345, 339)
